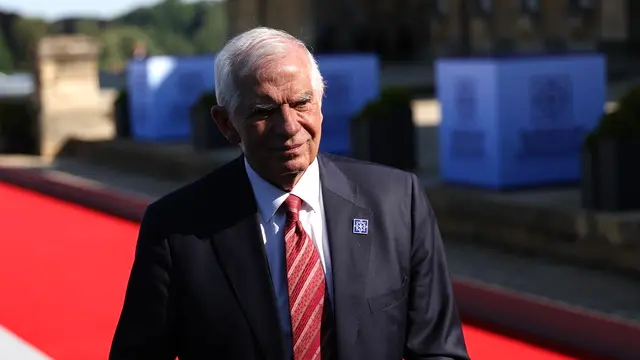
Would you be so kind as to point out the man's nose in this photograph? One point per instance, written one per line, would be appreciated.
(287, 121)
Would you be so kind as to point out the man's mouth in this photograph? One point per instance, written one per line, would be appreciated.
(292, 147)
(287, 147)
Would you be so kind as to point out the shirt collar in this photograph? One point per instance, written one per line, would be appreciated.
(269, 198)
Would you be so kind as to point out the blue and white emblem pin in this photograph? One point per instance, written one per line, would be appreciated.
(361, 226)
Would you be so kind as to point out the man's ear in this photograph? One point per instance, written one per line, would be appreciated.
(221, 116)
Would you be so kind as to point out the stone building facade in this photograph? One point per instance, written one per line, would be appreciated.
(403, 30)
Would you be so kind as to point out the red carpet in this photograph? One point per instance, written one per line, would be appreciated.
(64, 271)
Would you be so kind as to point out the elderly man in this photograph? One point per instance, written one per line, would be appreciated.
(285, 253)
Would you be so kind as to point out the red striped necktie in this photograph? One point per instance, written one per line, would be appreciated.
(306, 283)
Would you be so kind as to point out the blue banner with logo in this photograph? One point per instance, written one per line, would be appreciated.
(162, 90)
(517, 122)
(352, 81)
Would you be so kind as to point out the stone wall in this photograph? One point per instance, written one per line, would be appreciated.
(428, 28)
(522, 26)
(293, 16)
(243, 15)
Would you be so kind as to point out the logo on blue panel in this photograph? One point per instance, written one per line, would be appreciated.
(360, 226)
(551, 100)
(552, 131)
(466, 98)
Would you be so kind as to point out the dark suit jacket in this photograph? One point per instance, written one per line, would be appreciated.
(200, 286)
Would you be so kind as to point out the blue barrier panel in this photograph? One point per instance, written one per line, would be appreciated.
(161, 92)
(517, 122)
(141, 106)
(352, 82)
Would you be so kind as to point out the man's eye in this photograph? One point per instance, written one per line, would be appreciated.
(262, 113)
(302, 104)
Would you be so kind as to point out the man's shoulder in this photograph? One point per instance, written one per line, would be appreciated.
(198, 196)
(367, 173)
(385, 190)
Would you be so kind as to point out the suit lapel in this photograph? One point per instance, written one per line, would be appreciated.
(349, 251)
(240, 250)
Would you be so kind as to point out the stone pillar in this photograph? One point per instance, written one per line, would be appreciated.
(614, 26)
(504, 25)
(293, 16)
(554, 16)
(343, 24)
(583, 26)
(632, 10)
(243, 15)
(418, 27)
(444, 31)
(481, 36)
(529, 35)
(68, 93)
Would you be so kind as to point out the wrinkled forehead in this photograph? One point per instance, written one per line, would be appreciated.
(280, 76)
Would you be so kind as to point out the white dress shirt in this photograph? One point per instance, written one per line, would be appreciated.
(272, 221)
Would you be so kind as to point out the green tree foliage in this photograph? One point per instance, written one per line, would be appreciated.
(118, 44)
(6, 58)
(27, 33)
(88, 27)
(211, 35)
(172, 27)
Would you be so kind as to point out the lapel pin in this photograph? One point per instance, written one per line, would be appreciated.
(361, 226)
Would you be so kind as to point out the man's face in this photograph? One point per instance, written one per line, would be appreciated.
(278, 119)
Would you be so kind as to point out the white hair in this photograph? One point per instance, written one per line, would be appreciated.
(246, 53)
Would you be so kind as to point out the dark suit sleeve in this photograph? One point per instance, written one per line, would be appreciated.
(434, 328)
(143, 331)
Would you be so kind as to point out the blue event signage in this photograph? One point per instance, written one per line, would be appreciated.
(517, 121)
(140, 98)
(162, 89)
(352, 81)
(161, 92)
